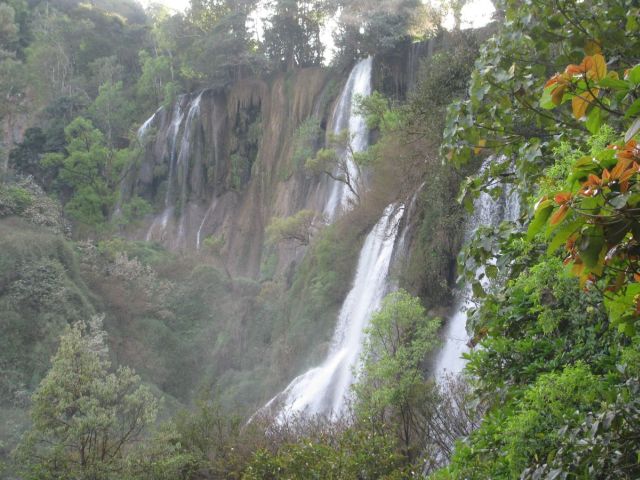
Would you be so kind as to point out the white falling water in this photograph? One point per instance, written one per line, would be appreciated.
(486, 212)
(161, 221)
(183, 158)
(142, 131)
(211, 209)
(179, 138)
(325, 389)
(345, 118)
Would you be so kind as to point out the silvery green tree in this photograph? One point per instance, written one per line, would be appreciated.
(85, 415)
(394, 388)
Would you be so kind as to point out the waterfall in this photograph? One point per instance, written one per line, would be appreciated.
(486, 212)
(345, 118)
(183, 161)
(179, 141)
(325, 389)
(142, 131)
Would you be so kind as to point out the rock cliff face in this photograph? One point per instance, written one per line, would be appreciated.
(221, 163)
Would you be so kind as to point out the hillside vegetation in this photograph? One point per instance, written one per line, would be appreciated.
(127, 358)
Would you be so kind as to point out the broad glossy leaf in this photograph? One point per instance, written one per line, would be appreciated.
(594, 120)
(540, 218)
(616, 231)
(599, 66)
(633, 110)
(559, 215)
(634, 75)
(563, 233)
(491, 271)
(547, 100)
(616, 84)
(590, 247)
(477, 289)
(579, 105)
(622, 305)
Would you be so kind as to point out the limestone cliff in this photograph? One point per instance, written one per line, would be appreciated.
(220, 163)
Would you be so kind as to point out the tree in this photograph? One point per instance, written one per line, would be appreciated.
(393, 384)
(8, 30)
(88, 173)
(340, 162)
(368, 27)
(292, 37)
(112, 112)
(296, 228)
(84, 416)
(593, 213)
(223, 49)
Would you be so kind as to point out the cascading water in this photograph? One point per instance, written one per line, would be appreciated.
(346, 118)
(325, 389)
(179, 139)
(142, 131)
(486, 212)
(183, 159)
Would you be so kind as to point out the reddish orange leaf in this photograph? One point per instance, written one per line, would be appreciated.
(559, 215)
(562, 197)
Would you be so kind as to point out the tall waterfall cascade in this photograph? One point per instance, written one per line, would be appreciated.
(325, 389)
(179, 141)
(345, 117)
(486, 212)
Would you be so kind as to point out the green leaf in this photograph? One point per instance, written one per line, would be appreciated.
(491, 271)
(477, 289)
(546, 101)
(590, 247)
(614, 83)
(540, 218)
(622, 306)
(633, 110)
(634, 75)
(563, 233)
(594, 120)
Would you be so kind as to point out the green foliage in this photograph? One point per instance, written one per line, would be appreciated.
(13, 200)
(602, 445)
(292, 36)
(91, 170)
(40, 293)
(549, 363)
(377, 27)
(132, 211)
(112, 112)
(84, 417)
(305, 143)
(297, 228)
(393, 385)
(355, 453)
(25, 158)
(337, 160)
(527, 428)
(596, 198)
(214, 244)
(154, 86)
